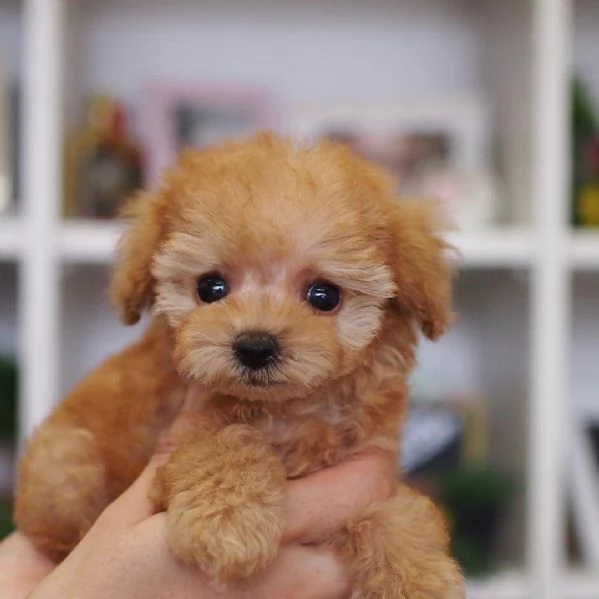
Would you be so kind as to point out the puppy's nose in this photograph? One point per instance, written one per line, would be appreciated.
(256, 350)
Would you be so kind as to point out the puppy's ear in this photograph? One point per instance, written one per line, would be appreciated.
(420, 263)
(131, 288)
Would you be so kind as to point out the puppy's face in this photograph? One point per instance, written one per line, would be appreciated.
(273, 265)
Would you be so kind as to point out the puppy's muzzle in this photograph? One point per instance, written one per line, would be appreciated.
(256, 349)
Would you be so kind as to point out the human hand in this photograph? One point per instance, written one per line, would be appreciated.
(126, 552)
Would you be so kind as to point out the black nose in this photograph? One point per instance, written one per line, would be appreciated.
(256, 350)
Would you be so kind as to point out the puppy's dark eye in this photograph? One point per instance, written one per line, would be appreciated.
(212, 288)
(323, 296)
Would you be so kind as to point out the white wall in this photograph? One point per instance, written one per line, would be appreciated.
(10, 36)
(304, 50)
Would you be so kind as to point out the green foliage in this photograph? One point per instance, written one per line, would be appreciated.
(584, 119)
(475, 498)
(6, 523)
(467, 552)
(474, 488)
(8, 399)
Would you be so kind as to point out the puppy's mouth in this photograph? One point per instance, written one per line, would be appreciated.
(260, 380)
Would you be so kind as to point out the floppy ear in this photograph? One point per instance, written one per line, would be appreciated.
(132, 285)
(422, 270)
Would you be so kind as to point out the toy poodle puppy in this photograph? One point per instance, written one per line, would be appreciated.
(287, 287)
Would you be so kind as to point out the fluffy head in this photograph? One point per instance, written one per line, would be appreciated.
(270, 219)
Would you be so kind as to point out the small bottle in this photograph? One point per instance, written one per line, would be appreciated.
(105, 164)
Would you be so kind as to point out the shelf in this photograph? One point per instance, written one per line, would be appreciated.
(580, 585)
(584, 250)
(88, 242)
(500, 248)
(573, 585)
(11, 234)
(503, 586)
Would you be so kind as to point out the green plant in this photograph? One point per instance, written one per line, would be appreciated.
(8, 399)
(6, 523)
(474, 487)
(583, 118)
(475, 498)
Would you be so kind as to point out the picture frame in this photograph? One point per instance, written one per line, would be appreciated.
(435, 148)
(196, 115)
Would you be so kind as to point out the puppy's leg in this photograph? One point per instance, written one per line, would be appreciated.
(62, 488)
(399, 550)
(224, 493)
(95, 443)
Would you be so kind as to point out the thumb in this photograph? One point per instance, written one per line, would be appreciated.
(136, 504)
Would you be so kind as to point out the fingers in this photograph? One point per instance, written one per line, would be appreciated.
(22, 566)
(322, 503)
(302, 573)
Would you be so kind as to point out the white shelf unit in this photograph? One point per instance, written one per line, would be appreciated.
(519, 50)
(11, 238)
(584, 251)
(89, 242)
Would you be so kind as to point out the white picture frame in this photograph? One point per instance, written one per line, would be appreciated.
(463, 120)
(239, 109)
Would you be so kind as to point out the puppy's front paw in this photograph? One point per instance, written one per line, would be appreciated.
(228, 542)
(224, 500)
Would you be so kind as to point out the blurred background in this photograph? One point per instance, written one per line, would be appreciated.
(492, 106)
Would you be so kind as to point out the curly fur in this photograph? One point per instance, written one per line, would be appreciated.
(271, 218)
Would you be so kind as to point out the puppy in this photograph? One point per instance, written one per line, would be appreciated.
(287, 287)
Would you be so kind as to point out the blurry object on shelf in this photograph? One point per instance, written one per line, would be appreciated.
(443, 455)
(444, 434)
(14, 144)
(103, 163)
(585, 157)
(177, 116)
(5, 166)
(436, 150)
(593, 431)
(584, 488)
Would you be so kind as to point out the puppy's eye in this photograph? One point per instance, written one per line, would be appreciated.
(323, 296)
(212, 288)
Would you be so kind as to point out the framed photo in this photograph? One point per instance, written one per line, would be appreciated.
(436, 150)
(196, 115)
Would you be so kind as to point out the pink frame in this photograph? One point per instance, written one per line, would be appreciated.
(159, 100)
